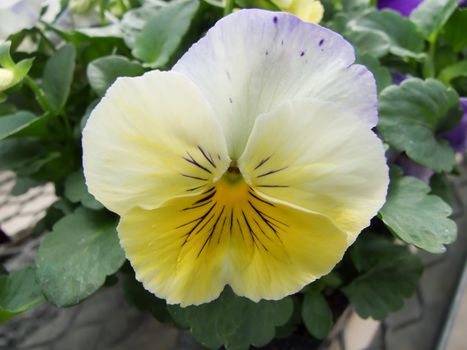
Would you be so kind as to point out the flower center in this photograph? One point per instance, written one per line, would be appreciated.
(233, 174)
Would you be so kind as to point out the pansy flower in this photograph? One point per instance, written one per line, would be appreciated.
(252, 163)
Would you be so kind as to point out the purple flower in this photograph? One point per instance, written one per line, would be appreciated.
(410, 168)
(457, 137)
(404, 7)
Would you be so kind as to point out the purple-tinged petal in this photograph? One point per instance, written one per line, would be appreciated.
(404, 7)
(463, 3)
(410, 168)
(252, 61)
(457, 137)
(398, 78)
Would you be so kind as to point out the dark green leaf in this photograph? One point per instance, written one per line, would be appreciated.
(369, 43)
(171, 23)
(234, 321)
(143, 300)
(391, 275)
(317, 314)
(456, 28)
(18, 292)
(77, 192)
(75, 258)
(21, 124)
(261, 4)
(23, 184)
(105, 70)
(431, 15)
(381, 73)
(416, 217)
(398, 31)
(57, 77)
(19, 154)
(409, 117)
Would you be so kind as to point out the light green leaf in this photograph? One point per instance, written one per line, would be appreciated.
(398, 31)
(234, 321)
(17, 70)
(454, 71)
(18, 292)
(163, 33)
(105, 70)
(456, 28)
(317, 314)
(416, 217)
(382, 76)
(431, 15)
(57, 77)
(77, 192)
(74, 260)
(23, 123)
(390, 275)
(409, 117)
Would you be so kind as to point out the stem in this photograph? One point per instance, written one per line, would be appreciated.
(228, 8)
(66, 121)
(429, 66)
(46, 40)
(38, 92)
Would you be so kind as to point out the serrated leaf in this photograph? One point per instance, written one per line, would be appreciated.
(77, 192)
(456, 28)
(23, 123)
(409, 116)
(399, 32)
(57, 77)
(417, 217)
(431, 15)
(103, 71)
(74, 260)
(317, 314)
(171, 23)
(391, 274)
(18, 292)
(234, 321)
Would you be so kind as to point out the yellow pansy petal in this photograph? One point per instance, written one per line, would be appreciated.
(307, 10)
(187, 250)
(149, 139)
(312, 155)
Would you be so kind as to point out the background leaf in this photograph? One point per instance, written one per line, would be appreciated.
(409, 117)
(234, 321)
(390, 275)
(456, 28)
(105, 70)
(75, 258)
(18, 293)
(57, 77)
(77, 192)
(431, 15)
(416, 217)
(171, 23)
(316, 313)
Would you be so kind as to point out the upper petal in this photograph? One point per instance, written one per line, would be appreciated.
(149, 139)
(313, 155)
(253, 60)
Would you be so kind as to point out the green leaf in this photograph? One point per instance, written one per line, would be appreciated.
(455, 29)
(105, 70)
(23, 184)
(171, 23)
(77, 192)
(18, 292)
(234, 321)
(19, 70)
(369, 43)
(391, 274)
(23, 123)
(57, 77)
(382, 76)
(261, 4)
(454, 71)
(416, 217)
(431, 15)
(409, 117)
(399, 32)
(74, 260)
(19, 154)
(317, 314)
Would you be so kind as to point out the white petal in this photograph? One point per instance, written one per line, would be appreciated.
(151, 138)
(252, 61)
(313, 155)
